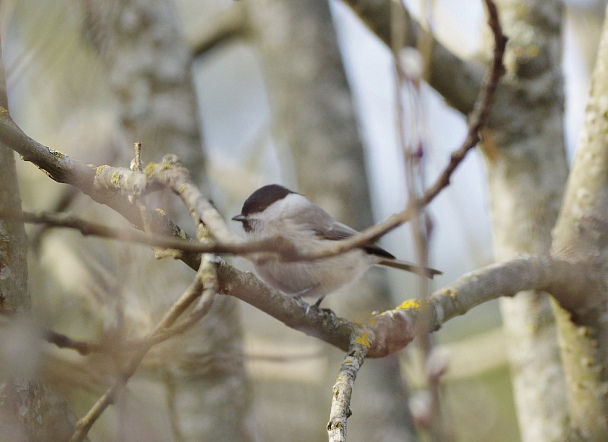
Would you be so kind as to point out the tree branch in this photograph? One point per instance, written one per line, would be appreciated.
(459, 84)
(224, 26)
(342, 391)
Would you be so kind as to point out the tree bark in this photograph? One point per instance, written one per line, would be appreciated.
(29, 409)
(527, 169)
(580, 236)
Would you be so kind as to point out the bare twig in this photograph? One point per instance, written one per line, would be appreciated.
(65, 220)
(481, 109)
(414, 146)
(136, 162)
(477, 119)
(63, 341)
(343, 389)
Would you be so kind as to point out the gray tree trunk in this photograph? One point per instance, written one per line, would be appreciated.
(30, 411)
(527, 171)
(580, 237)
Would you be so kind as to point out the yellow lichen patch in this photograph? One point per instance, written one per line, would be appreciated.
(149, 169)
(363, 339)
(115, 180)
(183, 188)
(168, 164)
(450, 292)
(100, 169)
(167, 253)
(409, 304)
(532, 51)
(203, 232)
(56, 153)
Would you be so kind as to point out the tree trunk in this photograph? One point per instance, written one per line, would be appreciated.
(29, 410)
(527, 169)
(580, 237)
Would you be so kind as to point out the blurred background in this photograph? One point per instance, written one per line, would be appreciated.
(250, 93)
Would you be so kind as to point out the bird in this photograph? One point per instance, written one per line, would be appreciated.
(274, 211)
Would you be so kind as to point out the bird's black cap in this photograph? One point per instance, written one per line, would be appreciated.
(259, 200)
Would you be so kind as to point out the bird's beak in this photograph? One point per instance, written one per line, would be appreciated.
(241, 218)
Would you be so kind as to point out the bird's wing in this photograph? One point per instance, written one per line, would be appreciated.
(337, 231)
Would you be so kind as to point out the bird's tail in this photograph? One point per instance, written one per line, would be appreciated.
(409, 267)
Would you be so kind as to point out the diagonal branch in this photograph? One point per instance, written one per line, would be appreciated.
(459, 84)
(481, 109)
(390, 331)
(224, 26)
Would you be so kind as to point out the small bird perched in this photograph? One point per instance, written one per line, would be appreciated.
(274, 211)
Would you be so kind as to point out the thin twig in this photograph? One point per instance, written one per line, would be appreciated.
(66, 220)
(63, 341)
(414, 150)
(343, 389)
(483, 105)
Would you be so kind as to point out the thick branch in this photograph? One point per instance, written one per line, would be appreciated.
(390, 331)
(65, 169)
(459, 84)
(224, 26)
